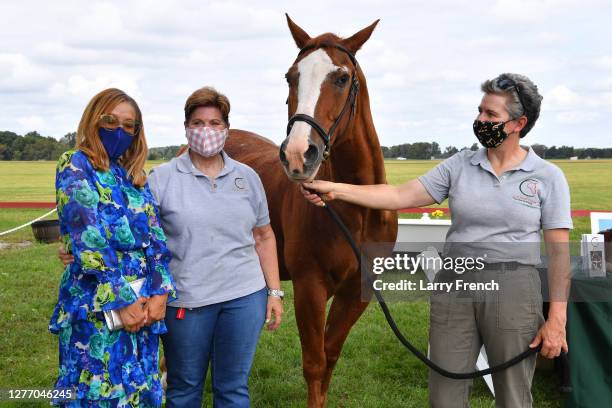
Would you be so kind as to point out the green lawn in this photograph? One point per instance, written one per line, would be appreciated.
(31, 180)
(590, 180)
(374, 371)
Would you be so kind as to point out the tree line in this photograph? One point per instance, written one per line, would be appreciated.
(33, 146)
(426, 151)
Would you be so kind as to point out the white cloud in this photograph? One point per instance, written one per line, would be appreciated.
(576, 117)
(561, 95)
(486, 42)
(531, 11)
(603, 62)
(425, 61)
(550, 38)
(390, 80)
(78, 85)
(19, 73)
(606, 99)
(30, 123)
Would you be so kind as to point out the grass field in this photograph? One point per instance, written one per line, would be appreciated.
(590, 180)
(374, 371)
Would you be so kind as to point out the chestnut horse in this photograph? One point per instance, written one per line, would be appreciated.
(312, 251)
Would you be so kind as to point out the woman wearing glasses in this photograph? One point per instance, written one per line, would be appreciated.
(500, 198)
(110, 223)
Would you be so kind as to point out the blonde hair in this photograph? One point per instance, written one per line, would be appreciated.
(207, 96)
(88, 140)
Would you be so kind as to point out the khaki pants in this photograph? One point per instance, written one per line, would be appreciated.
(505, 321)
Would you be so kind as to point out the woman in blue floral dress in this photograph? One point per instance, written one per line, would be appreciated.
(109, 221)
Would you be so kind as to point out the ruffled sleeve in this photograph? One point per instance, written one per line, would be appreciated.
(85, 236)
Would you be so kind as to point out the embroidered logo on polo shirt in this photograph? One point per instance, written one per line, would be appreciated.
(529, 192)
(240, 184)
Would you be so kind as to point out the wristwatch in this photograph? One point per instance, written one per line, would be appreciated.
(276, 293)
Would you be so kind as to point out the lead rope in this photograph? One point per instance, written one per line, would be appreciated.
(402, 338)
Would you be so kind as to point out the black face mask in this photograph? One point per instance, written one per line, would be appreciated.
(490, 134)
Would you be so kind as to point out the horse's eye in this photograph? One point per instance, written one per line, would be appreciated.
(342, 80)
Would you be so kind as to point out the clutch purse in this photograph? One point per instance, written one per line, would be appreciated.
(113, 320)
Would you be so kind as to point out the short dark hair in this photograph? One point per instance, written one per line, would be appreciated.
(207, 96)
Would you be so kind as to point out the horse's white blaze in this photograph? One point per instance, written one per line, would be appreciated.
(313, 70)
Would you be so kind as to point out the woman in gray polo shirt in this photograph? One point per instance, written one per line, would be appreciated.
(499, 194)
(214, 212)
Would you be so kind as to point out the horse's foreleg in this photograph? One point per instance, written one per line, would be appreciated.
(310, 298)
(345, 310)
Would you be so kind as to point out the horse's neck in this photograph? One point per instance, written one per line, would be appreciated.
(357, 157)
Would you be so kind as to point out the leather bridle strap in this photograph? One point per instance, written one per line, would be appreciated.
(349, 104)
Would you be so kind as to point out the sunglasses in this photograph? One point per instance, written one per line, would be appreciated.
(507, 83)
(110, 121)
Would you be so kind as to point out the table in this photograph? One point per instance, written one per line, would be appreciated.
(589, 335)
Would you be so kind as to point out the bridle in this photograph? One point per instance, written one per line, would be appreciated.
(349, 104)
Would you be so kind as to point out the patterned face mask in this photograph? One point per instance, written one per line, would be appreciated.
(490, 134)
(206, 141)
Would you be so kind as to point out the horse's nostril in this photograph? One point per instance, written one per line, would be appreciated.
(312, 153)
(295, 172)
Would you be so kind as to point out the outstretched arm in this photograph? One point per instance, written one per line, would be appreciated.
(377, 196)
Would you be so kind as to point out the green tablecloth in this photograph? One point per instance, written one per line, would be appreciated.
(590, 343)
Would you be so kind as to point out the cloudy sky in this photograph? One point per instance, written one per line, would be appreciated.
(423, 64)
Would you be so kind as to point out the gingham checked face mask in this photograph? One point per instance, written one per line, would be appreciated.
(206, 141)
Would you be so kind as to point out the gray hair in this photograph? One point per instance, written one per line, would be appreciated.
(528, 103)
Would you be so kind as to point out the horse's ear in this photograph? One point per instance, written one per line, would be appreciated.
(355, 42)
(299, 36)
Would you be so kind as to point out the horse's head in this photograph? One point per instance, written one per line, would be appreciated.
(323, 85)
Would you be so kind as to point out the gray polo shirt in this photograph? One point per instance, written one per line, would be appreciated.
(510, 209)
(209, 225)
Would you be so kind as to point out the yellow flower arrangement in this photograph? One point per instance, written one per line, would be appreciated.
(437, 214)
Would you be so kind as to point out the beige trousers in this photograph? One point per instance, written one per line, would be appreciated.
(505, 321)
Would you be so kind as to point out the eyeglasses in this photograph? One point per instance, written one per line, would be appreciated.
(507, 83)
(110, 121)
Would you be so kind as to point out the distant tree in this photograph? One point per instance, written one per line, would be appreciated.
(8, 139)
(32, 134)
(420, 150)
(385, 151)
(539, 149)
(69, 139)
(565, 152)
(163, 153)
(474, 147)
(435, 150)
(449, 151)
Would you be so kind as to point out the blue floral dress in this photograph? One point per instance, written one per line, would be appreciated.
(112, 229)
